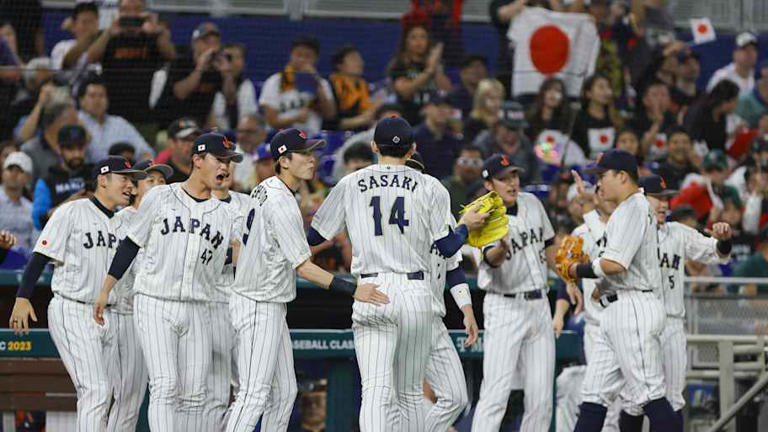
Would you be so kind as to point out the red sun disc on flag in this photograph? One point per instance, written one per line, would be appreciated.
(702, 28)
(550, 49)
(604, 139)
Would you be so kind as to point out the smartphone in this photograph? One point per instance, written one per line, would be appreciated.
(131, 21)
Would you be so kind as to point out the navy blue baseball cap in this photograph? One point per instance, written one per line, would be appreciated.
(617, 160)
(72, 136)
(292, 141)
(217, 145)
(498, 165)
(263, 152)
(117, 165)
(148, 165)
(655, 185)
(415, 161)
(394, 132)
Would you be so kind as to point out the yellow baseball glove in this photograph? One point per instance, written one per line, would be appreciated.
(496, 226)
(571, 251)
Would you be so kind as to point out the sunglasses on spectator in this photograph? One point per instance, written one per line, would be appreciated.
(469, 162)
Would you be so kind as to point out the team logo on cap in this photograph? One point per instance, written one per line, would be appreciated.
(127, 164)
(504, 161)
(282, 149)
(302, 135)
(663, 183)
(396, 139)
(104, 169)
(226, 143)
(485, 173)
(201, 147)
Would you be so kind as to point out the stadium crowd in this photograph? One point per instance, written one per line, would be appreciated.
(126, 89)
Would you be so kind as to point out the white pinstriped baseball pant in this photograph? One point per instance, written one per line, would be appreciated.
(220, 374)
(445, 375)
(131, 377)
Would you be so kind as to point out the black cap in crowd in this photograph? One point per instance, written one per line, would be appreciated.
(393, 132)
(415, 161)
(205, 29)
(72, 136)
(184, 127)
(292, 140)
(498, 165)
(617, 160)
(512, 115)
(148, 165)
(117, 165)
(655, 185)
(438, 97)
(217, 145)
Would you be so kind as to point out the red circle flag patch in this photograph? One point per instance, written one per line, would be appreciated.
(702, 28)
(550, 49)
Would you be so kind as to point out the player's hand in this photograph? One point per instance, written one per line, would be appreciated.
(434, 58)
(367, 293)
(7, 240)
(471, 328)
(581, 189)
(205, 59)
(22, 312)
(557, 325)
(720, 231)
(472, 219)
(504, 244)
(577, 299)
(99, 306)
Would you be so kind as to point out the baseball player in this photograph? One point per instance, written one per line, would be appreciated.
(393, 216)
(221, 373)
(626, 355)
(274, 244)
(677, 243)
(131, 377)
(80, 239)
(185, 234)
(444, 372)
(518, 321)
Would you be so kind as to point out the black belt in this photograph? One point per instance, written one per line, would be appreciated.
(80, 301)
(605, 301)
(528, 295)
(419, 275)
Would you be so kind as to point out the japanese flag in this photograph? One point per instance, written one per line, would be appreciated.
(550, 43)
(702, 30)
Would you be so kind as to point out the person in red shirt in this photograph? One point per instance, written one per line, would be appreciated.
(707, 193)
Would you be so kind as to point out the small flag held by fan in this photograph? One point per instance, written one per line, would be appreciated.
(702, 30)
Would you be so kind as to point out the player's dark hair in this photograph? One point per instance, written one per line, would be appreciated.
(277, 162)
(359, 151)
(394, 151)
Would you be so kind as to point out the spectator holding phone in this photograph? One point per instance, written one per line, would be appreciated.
(130, 50)
(70, 55)
(228, 113)
(297, 96)
(196, 77)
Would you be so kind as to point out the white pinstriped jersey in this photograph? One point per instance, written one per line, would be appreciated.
(241, 204)
(80, 239)
(525, 268)
(185, 243)
(393, 215)
(593, 233)
(632, 241)
(124, 287)
(677, 243)
(274, 244)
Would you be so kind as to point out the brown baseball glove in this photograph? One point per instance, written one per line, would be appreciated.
(571, 251)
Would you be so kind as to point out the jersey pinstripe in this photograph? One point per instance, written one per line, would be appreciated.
(81, 241)
(124, 287)
(185, 243)
(525, 268)
(593, 233)
(241, 203)
(274, 244)
(393, 215)
(632, 241)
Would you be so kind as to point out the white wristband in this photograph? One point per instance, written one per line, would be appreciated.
(461, 295)
(597, 268)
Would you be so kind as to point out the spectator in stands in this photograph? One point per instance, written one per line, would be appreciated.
(756, 160)
(508, 138)
(8, 34)
(550, 110)
(742, 70)
(251, 132)
(653, 119)
(70, 55)
(15, 208)
(26, 17)
(706, 120)
(626, 139)
(105, 129)
(130, 50)
(66, 180)
(756, 266)
(595, 124)
(756, 208)
(124, 150)
(265, 166)
(195, 77)
(708, 192)
(10, 73)
(181, 134)
(754, 105)
(358, 157)
(228, 114)
(557, 201)
(297, 96)
(438, 145)
(678, 162)
(485, 109)
(502, 12)
(354, 109)
(7, 147)
(44, 147)
(685, 91)
(473, 69)
(36, 75)
(416, 71)
(7, 241)
(743, 242)
(684, 214)
(466, 177)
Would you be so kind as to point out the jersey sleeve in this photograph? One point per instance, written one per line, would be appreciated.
(288, 228)
(330, 217)
(53, 239)
(439, 224)
(698, 247)
(625, 232)
(141, 226)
